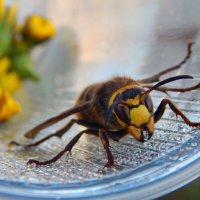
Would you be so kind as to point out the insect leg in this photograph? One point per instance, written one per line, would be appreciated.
(34, 131)
(161, 109)
(105, 143)
(67, 148)
(156, 77)
(61, 131)
(168, 89)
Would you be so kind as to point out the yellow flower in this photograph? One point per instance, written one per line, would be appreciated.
(38, 28)
(8, 106)
(9, 81)
(2, 8)
(8, 13)
(4, 64)
(11, 13)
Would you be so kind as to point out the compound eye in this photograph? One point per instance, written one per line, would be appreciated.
(122, 113)
(149, 103)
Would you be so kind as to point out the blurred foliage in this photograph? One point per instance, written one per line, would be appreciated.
(16, 43)
(189, 192)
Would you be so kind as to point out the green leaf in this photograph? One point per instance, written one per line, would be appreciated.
(21, 63)
(5, 37)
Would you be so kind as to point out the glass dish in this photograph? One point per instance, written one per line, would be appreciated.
(94, 42)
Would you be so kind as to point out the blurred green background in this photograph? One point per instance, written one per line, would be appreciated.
(188, 192)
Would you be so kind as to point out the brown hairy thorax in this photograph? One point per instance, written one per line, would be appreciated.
(100, 94)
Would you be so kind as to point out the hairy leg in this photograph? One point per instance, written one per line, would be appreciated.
(61, 131)
(105, 143)
(156, 77)
(79, 108)
(161, 109)
(67, 148)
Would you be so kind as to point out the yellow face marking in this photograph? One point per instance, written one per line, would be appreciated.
(139, 115)
(135, 132)
(133, 102)
(150, 125)
(119, 91)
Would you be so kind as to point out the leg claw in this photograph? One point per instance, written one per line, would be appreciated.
(32, 161)
(69, 153)
(14, 143)
(108, 165)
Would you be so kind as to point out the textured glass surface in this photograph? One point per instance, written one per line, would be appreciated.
(95, 41)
